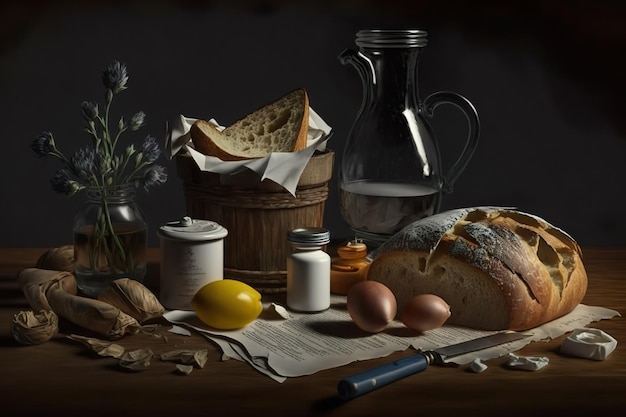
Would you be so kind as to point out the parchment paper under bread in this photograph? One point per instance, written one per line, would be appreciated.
(284, 168)
(309, 343)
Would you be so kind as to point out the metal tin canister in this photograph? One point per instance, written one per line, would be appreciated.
(192, 255)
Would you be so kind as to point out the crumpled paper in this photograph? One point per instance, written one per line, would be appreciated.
(284, 168)
(187, 357)
(30, 328)
(136, 360)
(589, 344)
(527, 363)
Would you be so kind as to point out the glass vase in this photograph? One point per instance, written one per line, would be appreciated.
(109, 239)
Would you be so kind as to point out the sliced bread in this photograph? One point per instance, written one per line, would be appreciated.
(280, 126)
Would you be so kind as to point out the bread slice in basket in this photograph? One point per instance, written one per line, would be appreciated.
(497, 268)
(280, 126)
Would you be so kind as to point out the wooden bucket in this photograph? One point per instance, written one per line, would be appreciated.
(258, 215)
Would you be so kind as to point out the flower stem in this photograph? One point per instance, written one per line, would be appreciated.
(114, 237)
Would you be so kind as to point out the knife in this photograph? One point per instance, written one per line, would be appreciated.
(364, 382)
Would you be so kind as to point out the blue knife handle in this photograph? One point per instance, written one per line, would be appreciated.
(367, 381)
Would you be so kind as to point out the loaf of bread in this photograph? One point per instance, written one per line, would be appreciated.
(497, 268)
(280, 126)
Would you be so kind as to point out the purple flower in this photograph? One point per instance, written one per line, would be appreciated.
(98, 164)
(84, 163)
(115, 77)
(154, 175)
(44, 144)
(89, 110)
(150, 150)
(63, 183)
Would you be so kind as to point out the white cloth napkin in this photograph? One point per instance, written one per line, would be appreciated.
(284, 168)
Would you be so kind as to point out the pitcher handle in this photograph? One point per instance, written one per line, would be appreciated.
(430, 104)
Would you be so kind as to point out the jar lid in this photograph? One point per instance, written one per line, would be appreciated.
(384, 38)
(309, 236)
(192, 229)
(353, 249)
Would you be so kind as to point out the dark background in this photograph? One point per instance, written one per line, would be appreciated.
(547, 78)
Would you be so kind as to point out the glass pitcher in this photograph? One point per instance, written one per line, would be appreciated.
(390, 172)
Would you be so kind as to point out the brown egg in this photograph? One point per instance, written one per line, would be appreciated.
(425, 312)
(371, 305)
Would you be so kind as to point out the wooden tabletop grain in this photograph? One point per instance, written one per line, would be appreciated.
(62, 378)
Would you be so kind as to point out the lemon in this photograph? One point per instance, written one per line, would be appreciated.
(227, 304)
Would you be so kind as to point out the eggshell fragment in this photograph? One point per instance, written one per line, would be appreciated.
(425, 312)
(372, 306)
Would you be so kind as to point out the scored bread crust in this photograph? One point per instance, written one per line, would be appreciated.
(280, 126)
(497, 268)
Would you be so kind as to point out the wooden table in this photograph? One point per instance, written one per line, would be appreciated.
(62, 378)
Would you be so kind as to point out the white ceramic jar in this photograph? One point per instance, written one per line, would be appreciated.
(192, 255)
(308, 270)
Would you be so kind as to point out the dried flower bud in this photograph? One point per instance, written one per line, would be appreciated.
(154, 175)
(150, 149)
(138, 159)
(89, 110)
(83, 163)
(43, 145)
(137, 120)
(115, 77)
(130, 149)
(62, 183)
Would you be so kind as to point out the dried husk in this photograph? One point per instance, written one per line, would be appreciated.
(100, 347)
(58, 259)
(35, 283)
(133, 298)
(49, 288)
(94, 315)
(153, 330)
(196, 358)
(136, 360)
(184, 369)
(30, 328)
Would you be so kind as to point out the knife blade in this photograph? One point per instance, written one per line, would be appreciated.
(366, 381)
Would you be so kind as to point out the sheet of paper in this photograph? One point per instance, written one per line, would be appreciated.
(234, 351)
(307, 343)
